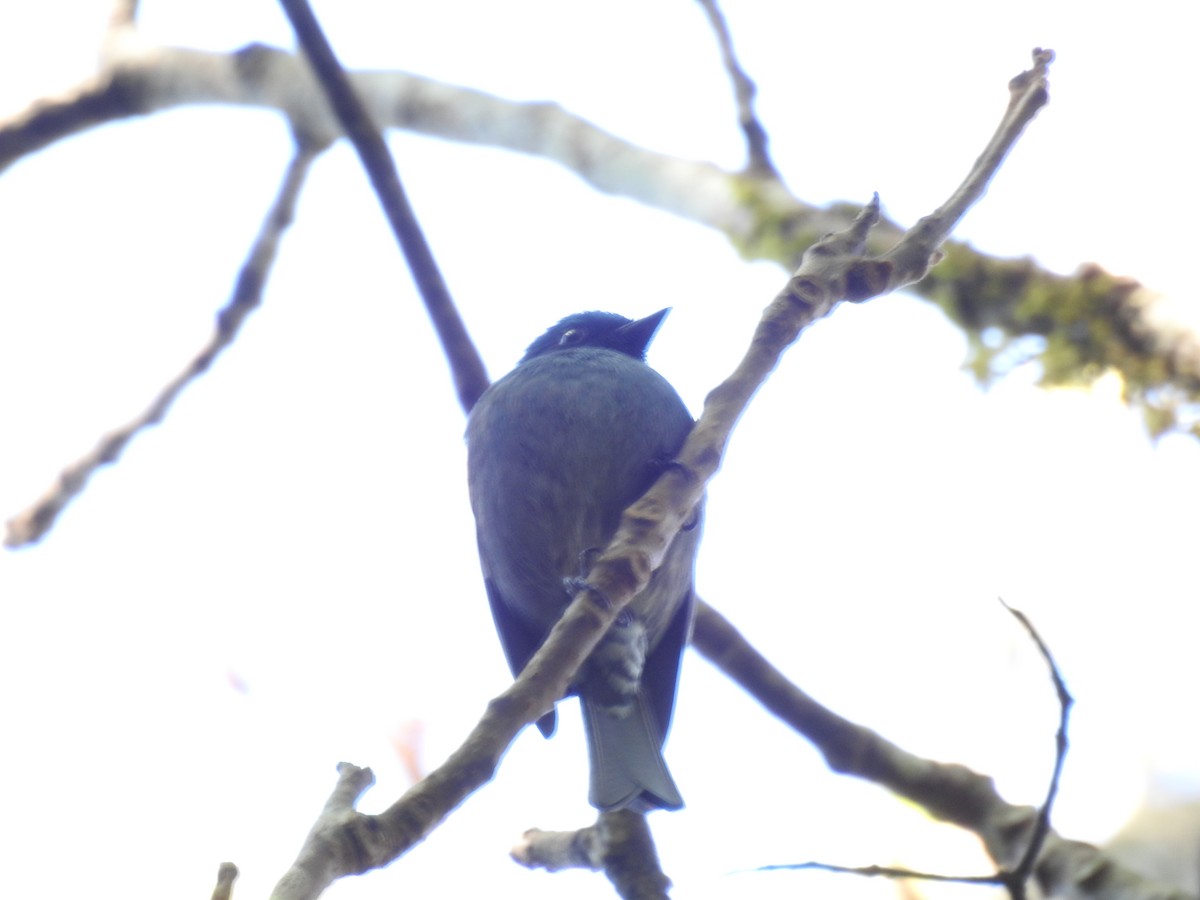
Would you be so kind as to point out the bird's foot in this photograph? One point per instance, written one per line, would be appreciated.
(574, 586)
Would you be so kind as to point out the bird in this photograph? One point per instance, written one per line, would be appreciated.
(556, 450)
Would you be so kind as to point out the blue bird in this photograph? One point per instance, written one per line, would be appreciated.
(556, 450)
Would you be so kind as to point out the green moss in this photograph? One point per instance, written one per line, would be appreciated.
(1084, 324)
(777, 232)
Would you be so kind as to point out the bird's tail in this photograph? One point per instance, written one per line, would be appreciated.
(628, 769)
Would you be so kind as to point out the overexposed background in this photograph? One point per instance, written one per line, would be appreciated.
(283, 575)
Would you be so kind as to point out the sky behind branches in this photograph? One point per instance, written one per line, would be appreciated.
(283, 575)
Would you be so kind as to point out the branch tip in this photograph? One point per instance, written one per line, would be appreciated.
(758, 159)
(227, 873)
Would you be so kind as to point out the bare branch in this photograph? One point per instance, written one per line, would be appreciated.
(758, 160)
(1016, 879)
(123, 15)
(470, 376)
(622, 570)
(558, 850)
(226, 875)
(630, 860)
(1028, 93)
(883, 872)
(329, 850)
(619, 843)
(949, 792)
(148, 79)
(1021, 872)
(29, 526)
(833, 269)
(1090, 323)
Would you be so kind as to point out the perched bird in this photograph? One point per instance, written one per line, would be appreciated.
(557, 449)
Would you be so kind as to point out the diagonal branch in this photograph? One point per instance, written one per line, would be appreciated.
(28, 526)
(834, 269)
(716, 637)
(467, 367)
(950, 792)
(364, 842)
(1028, 93)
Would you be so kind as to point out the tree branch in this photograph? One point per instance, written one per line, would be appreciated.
(470, 376)
(227, 873)
(30, 525)
(950, 792)
(619, 844)
(1084, 325)
(758, 160)
(833, 269)
(123, 15)
(621, 571)
(1014, 879)
(330, 849)
(1041, 828)
(1028, 93)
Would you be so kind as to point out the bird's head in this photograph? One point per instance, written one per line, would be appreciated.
(599, 329)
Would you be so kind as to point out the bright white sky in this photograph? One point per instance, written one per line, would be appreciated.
(299, 526)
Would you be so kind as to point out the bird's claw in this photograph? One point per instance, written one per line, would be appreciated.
(574, 586)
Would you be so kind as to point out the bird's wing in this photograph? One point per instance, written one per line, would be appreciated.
(661, 673)
(519, 641)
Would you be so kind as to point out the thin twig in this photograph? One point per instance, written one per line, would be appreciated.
(30, 525)
(758, 160)
(1028, 93)
(1022, 871)
(883, 871)
(716, 638)
(470, 376)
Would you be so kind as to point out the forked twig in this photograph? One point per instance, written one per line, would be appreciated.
(28, 526)
(718, 640)
(1023, 869)
(758, 159)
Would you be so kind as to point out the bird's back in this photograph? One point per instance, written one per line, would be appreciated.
(559, 449)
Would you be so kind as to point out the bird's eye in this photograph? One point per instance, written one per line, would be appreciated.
(572, 337)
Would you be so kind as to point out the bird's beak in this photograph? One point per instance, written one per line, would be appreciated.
(639, 333)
